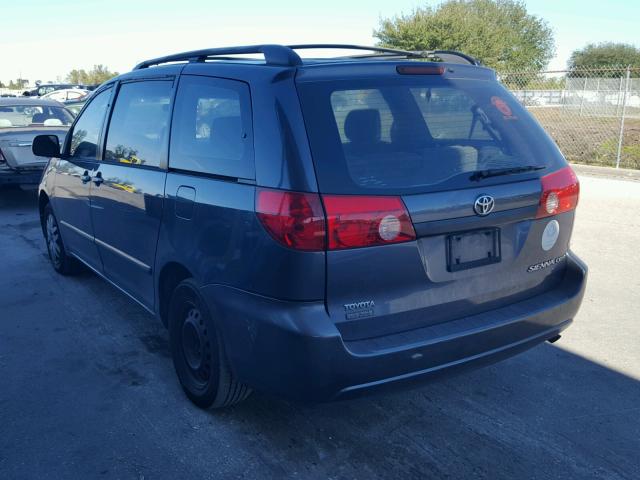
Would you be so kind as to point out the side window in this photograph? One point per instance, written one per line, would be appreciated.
(211, 130)
(86, 131)
(139, 123)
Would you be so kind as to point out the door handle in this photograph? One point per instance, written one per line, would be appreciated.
(97, 180)
(85, 177)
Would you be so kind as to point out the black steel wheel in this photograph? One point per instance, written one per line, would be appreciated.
(198, 353)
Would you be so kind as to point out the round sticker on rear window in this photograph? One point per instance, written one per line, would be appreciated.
(502, 106)
(550, 235)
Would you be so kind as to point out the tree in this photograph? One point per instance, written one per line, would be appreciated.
(98, 74)
(500, 33)
(18, 84)
(602, 55)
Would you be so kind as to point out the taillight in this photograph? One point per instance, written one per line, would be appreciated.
(294, 219)
(363, 221)
(560, 192)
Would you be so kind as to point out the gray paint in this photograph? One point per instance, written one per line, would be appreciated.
(280, 311)
(430, 207)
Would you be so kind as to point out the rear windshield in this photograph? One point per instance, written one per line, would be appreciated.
(34, 115)
(417, 134)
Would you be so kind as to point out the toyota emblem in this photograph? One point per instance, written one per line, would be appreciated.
(484, 205)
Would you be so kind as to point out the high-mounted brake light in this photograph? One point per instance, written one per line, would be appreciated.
(560, 193)
(420, 70)
(364, 221)
(294, 219)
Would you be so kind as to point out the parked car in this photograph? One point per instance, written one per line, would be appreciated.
(321, 228)
(21, 119)
(74, 106)
(66, 94)
(45, 88)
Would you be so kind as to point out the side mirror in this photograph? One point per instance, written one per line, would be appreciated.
(46, 146)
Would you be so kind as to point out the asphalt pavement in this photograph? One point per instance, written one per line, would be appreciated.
(87, 387)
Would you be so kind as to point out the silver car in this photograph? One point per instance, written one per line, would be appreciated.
(21, 119)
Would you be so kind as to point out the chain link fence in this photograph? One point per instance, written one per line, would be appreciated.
(592, 114)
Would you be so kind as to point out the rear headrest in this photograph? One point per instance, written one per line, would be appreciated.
(39, 118)
(363, 126)
(227, 136)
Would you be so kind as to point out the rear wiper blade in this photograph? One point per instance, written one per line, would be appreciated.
(496, 172)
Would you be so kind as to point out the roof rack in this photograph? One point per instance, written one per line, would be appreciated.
(383, 52)
(273, 55)
(342, 46)
(282, 55)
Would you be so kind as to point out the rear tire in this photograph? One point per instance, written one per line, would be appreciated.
(60, 260)
(198, 352)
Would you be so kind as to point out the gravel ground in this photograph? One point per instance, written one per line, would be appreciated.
(87, 388)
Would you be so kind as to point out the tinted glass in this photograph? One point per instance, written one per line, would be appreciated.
(448, 113)
(139, 123)
(211, 131)
(410, 135)
(86, 132)
(34, 115)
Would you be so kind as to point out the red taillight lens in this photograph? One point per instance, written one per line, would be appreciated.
(560, 192)
(294, 219)
(359, 221)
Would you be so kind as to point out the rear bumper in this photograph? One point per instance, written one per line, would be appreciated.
(294, 350)
(10, 176)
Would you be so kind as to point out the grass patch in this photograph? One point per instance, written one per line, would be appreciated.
(591, 139)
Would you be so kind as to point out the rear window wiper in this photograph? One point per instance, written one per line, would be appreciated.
(496, 172)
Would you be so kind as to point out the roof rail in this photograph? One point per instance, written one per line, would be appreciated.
(452, 56)
(273, 55)
(341, 46)
(286, 56)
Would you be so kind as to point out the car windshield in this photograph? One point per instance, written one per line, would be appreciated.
(412, 135)
(34, 115)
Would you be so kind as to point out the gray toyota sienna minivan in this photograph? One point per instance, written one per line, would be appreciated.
(318, 228)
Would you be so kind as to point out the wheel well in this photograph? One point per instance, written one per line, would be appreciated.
(170, 276)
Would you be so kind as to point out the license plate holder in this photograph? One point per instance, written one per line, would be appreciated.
(473, 249)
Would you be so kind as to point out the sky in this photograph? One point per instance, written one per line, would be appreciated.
(45, 39)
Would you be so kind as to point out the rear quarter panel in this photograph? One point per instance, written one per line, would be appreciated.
(220, 240)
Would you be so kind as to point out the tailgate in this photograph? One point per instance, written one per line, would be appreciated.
(466, 161)
(392, 288)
